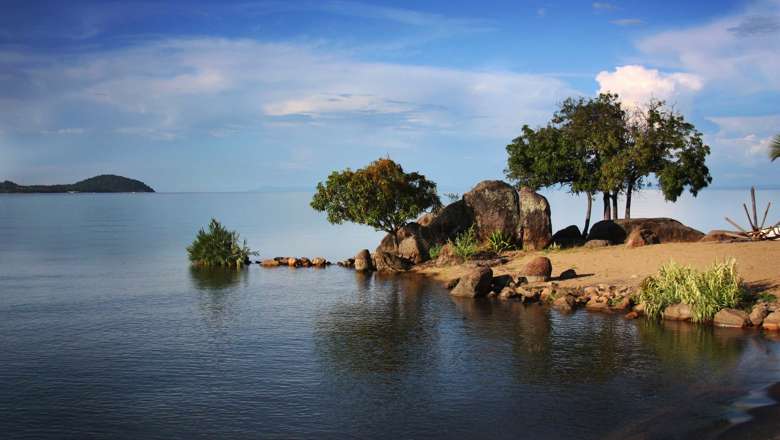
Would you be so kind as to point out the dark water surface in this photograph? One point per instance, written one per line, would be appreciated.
(106, 333)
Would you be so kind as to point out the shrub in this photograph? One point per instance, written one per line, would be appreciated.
(218, 248)
(499, 242)
(465, 244)
(434, 251)
(706, 292)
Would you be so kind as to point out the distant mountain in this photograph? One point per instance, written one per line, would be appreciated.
(106, 183)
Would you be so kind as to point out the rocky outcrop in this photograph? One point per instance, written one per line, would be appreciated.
(387, 262)
(718, 235)
(474, 284)
(538, 269)
(731, 318)
(666, 229)
(410, 243)
(363, 261)
(569, 236)
(536, 222)
(641, 237)
(496, 207)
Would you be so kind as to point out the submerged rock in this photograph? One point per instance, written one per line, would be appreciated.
(731, 318)
(474, 284)
(678, 312)
(363, 261)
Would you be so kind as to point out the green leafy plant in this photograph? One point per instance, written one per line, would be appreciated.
(218, 247)
(706, 292)
(499, 242)
(465, 244)
(434, 251)
(766, 297)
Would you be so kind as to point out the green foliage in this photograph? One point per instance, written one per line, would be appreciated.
(466, 244)
(774, 149)
(434, 251)
(706, 292)
(766, 297)
(380, 195)
(499, 242)
(218, 247)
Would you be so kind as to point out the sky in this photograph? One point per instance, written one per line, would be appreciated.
(236, 96)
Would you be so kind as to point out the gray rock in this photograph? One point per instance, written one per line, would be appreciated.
(476, 283)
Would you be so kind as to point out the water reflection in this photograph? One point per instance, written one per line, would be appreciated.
(383, 330)
(217, 279)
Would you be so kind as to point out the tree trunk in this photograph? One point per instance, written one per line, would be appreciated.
(629, 189)
(587, 214)
(607, 209)
(615, 205)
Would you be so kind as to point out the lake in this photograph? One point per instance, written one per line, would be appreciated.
(107, 333)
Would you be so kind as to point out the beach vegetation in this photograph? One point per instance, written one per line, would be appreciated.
(381, 195)
(218, 247)
(499, 242)
(707, 291)
(466, 244)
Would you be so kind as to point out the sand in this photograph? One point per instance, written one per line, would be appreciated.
(758, 263)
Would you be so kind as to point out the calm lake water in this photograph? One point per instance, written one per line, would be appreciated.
(105, 332)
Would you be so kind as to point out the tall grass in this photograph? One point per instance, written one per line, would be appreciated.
(218, 247)
(499, 242)
(706, 292)
(466, 244)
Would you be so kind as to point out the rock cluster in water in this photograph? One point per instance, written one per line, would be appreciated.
(295, 262)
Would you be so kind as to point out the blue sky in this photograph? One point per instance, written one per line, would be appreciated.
(224, 96)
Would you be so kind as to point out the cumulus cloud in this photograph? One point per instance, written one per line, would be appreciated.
(745, 139)
(739, 52)
(636, 85)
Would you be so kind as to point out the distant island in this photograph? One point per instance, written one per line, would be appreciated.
(106, 183)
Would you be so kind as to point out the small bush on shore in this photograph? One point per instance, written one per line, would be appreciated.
(218, 247)
(465, 244)
(706, 292)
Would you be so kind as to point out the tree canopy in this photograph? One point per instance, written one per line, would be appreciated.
(595, 145)
(381, 195)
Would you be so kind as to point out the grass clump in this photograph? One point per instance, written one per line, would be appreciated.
(706, 292)
(499, 242)
(434, 251)
(218, 247)
(465, 244)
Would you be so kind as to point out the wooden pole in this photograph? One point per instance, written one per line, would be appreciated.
(736, 225)
(753, 200)
(765, 213)
(752, 226)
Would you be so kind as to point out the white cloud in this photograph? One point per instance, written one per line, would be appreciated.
(169, 89)
(603, 6)
(743, 138)
(636, 85)
(741, 52)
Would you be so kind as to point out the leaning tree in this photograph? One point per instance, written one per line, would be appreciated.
(381, 195)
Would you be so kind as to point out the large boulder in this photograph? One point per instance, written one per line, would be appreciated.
(449, 222)
(538, 269)
(409, 243)
(363, 261)
(569, 236)
(387, 262)
(666, 229)
(641, 237)
(772, 322)
(678, 312)
(536, 226)
(496, 207)
(474, 284)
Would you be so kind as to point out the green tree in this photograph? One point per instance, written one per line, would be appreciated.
(569, 150)
(661, 142)
(774, 149)
(381, 195)
(218, 247)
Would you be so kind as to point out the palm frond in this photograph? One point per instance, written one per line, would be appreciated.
(774, 148)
